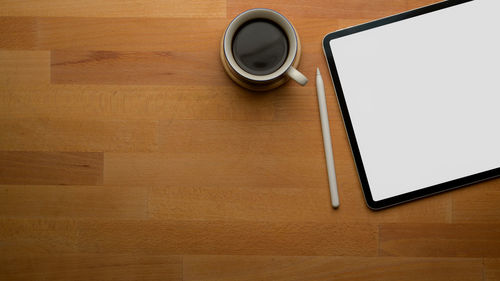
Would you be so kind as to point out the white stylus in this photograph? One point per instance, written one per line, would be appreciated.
(327, 141)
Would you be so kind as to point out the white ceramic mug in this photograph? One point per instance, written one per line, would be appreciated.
(274, 79)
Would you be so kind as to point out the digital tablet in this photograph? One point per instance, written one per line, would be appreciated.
(419, 93)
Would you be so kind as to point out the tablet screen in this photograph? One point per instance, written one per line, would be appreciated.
(423, 96)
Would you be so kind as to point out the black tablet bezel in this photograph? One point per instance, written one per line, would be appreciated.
(431, 190)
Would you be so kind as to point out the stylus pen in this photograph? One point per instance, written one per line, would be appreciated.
(327, 141)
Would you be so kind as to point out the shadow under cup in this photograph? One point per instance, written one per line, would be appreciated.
(260, 50)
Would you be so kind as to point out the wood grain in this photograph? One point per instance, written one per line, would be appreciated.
(112, 34)
(90, 267)
(145, 102)
(140, 103)
(324, 9)
(213, 169)
(114, 8)
(491, 269)
(77, 135)
(126, 153)
(477, 203)
(38, 236)
(283, 204)
(72, 201)
(18, 67)
(63, 168)
(132, 68)
(444, 240)
(159, 237)
(329, 268)
(414, 4)
(235, 137)
(300, 104)
(18, 33)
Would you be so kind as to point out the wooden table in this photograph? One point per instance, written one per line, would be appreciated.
(128, 154)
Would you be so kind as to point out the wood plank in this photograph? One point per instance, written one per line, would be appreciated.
(163, 102)
(73, 202)
(241, 203)
(443, 240)
(112, 34)
(242, 137)
(477, 203)
(21, 67)
(18, 33)
(283, 204)
(90, 267)
(491, 269)
(214, 169)
(159, 237)
(110, 102)
(38, 236)
(329, 268)
(75, 168)
(323, 8)
(77, 135)
(114, 8)
(137, 68)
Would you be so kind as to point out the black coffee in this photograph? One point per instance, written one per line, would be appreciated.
(260, 47)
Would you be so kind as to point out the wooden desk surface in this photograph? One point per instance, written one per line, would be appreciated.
(127, 154)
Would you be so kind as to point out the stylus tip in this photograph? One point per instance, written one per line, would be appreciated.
(317, 71)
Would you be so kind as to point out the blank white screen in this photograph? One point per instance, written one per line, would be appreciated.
(423, 95)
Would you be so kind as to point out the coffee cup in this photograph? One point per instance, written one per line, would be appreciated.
(260, 50)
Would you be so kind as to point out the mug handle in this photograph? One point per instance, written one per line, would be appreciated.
(297, 76)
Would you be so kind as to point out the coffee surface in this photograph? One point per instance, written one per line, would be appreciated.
(260, 47)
